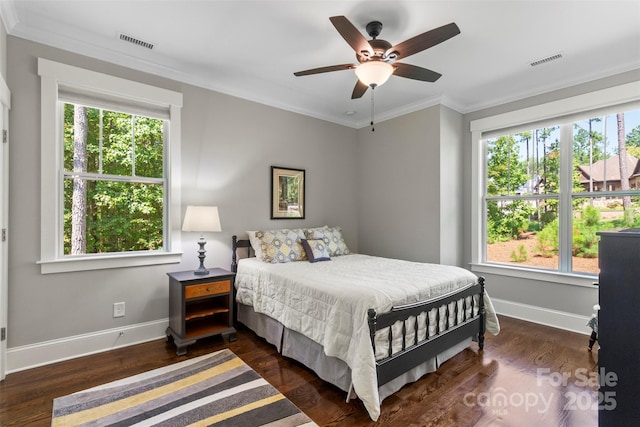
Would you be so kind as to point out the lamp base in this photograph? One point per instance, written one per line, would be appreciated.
(201, 271)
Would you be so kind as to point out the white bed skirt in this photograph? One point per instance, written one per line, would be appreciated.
(332, 370)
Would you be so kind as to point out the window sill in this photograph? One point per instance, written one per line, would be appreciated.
(100, 262)
(575, 279)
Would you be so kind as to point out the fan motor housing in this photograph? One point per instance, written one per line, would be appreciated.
(379, 47)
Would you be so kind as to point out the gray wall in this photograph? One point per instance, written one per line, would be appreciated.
(451, 187)
(228, 146)
(3, 50)
(410, 187)
(399, 187)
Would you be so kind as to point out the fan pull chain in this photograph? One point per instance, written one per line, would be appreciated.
(372, 107)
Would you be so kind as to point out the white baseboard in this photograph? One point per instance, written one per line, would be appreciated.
(544, 316)
(44, 353)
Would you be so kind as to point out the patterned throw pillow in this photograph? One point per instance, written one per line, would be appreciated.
(281, 245)
(332, 238)
(255, 244)
(316, 250)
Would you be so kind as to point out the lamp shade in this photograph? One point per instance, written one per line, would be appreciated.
(374, 73)
(201, 218)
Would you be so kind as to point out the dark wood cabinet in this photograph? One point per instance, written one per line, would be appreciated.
(200, 306)
(619, 328)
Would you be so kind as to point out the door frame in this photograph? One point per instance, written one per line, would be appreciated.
(5, 106)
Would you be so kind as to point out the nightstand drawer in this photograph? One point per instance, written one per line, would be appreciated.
(204, 289)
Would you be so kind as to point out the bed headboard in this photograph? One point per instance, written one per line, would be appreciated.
(235, 244)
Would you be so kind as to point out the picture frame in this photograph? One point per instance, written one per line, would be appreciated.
(287, 193)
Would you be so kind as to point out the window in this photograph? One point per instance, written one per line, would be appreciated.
(521, 196)
(550, 184)
(110, 171)
(114, 181)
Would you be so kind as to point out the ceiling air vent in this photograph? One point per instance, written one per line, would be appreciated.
(135, 41)
(545, 60)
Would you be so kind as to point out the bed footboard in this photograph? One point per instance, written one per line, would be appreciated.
(413, 354)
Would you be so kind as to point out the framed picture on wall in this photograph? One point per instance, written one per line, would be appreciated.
(287, 193)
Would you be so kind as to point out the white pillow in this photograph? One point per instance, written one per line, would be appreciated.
(255, 244)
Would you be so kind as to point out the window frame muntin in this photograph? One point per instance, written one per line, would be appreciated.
(54, 75)
(91, 176)
(132, 178)
(561, 111)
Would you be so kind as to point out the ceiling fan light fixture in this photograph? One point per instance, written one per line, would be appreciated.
(374, 73)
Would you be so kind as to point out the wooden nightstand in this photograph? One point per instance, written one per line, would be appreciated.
(200, 306)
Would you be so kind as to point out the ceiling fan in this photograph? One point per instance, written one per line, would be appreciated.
(378, 57)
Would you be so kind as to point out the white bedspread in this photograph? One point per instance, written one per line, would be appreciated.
(328, 302)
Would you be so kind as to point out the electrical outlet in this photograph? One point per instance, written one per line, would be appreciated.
(118, 309)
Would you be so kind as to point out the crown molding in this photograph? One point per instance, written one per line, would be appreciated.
(9, 15)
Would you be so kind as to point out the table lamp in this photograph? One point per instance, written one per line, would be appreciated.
(202, 219)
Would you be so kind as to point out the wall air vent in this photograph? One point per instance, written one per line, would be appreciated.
(545, 60)
(135, 41)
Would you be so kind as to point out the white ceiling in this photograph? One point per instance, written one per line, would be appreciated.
(251, 49)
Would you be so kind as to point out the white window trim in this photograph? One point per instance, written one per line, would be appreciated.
(614, 96)
(53, 74)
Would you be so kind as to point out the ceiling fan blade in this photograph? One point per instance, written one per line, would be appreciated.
(423, 41)
(351, 34)
(414, 72)
(325, 69)
(359, 90)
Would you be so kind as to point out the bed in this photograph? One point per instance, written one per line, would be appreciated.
(366, 324)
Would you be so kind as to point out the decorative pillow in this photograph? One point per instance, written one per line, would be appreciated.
(332, 238)
(281, 245)
(255, 244)
(316, 250)
(309, 231)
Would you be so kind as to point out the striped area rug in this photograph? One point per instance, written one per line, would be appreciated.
(217, 389)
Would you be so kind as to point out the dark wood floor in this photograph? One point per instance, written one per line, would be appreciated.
(528, 375)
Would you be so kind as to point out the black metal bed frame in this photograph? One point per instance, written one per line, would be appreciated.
(411, 356)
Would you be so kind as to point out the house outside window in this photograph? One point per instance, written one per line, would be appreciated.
(549, 184)
(110, 171)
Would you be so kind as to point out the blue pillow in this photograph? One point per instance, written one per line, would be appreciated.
(316, 250)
